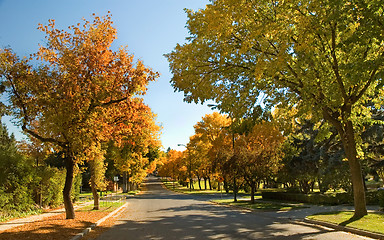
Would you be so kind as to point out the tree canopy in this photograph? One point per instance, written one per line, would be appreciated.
(323, 57)
(80, 92)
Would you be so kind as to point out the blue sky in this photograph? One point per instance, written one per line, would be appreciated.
(150, 28)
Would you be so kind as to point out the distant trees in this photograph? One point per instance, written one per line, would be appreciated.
(213, 150)
(173, 166)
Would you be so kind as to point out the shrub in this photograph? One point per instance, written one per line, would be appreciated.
(314, 198)
(380, 196)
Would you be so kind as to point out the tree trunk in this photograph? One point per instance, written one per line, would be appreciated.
(226, 187)
(356, 173)
(198, 180)
(96, 197)
(346, 132)
(129, 188)
(205, 183)
(209, 182)
(234, 190)
(253, 187)
(125, 182)
(191, 184)
(70, 165)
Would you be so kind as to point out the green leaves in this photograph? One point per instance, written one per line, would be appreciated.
(324, 53)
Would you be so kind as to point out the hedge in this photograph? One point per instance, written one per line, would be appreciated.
(319, 198)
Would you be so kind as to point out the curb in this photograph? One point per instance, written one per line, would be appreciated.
(346, 229)
(88, 229)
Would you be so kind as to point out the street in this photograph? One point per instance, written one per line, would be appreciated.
(162, 214)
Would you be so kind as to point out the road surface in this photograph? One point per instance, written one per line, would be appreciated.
(162, 214)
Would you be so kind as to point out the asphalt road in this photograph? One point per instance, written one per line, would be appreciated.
(162, 214)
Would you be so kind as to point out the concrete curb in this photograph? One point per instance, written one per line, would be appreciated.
(346, 229)
(88, 229)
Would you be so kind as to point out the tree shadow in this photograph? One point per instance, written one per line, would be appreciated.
(205, 221)
(351, 220)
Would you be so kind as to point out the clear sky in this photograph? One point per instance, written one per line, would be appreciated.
(150, 28)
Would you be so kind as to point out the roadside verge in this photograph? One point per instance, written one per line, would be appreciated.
(345, 229)
(88, 229)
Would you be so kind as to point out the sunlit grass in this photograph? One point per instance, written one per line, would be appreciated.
(372, 222)
(108, 206)
(175, 186)
(259, 205)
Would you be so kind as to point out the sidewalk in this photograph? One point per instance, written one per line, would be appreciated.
(33, 218)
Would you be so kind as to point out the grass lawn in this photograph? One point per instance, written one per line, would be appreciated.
(175, 186)
(104, 206)
(259, 205)
(373, 222)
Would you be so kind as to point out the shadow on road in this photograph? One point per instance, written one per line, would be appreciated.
(163, 214)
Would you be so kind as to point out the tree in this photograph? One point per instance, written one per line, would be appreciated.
(173, 166)
(138, 149)
(17, 175)
(95, 157)
(200, 144)
(81, 93)
(324, 57)
(258, 154)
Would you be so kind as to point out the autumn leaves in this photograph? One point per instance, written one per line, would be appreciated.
(227, 150)
(76, 93)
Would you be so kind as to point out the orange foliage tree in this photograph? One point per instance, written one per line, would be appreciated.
(173, 166)
(81, 93)
(132, 157)
(258, 154)
(200, 146)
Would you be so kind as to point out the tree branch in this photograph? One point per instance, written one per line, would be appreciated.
(335, 64)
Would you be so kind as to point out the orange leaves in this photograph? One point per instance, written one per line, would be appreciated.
(259, 152)
(84, 91)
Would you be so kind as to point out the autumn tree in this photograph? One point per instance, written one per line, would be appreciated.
(196, 159)
(79, 93)
(97, 166)
(206, 132)
(136, 151)
(259, 154)
(173, 166)
(324, 57)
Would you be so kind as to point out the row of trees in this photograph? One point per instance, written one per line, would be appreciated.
(274, 150)
(80, 99)
(323, 58)
(235, 153)
(33, 176)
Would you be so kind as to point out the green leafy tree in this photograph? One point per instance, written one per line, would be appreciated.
(324, 57)
(17, 176)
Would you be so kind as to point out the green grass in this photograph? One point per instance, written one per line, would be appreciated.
(104, 206)
(260, 205)
(89, 194)
(372, 222)
(7, 215)
(131, 192)
(175, 186)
